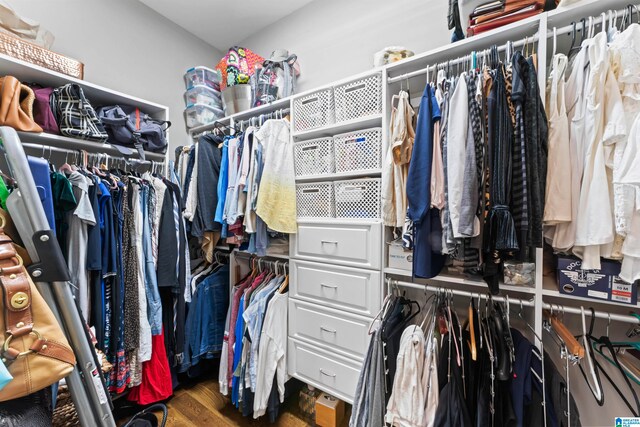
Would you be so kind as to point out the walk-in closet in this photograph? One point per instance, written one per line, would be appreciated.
(320, 213)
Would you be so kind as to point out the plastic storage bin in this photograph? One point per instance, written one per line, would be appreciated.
(313, 111)
(357, 198)
(202, 76)
(358, 151)
(360, 98)
(202, 94)
(201, 114)
(315, 200)
(314, 157)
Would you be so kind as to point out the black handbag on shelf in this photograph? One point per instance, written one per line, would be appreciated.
(128, 128)
(33, 410)
(75, 115)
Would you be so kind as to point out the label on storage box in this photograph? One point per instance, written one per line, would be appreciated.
(621, 291)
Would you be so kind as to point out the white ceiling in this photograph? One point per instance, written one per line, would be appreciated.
(224, 23)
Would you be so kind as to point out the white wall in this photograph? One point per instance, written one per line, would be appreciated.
(336, 38)
(125, 46)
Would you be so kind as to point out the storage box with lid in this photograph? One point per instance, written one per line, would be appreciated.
(603, 284)
(201, 114)
(202, 94)
(398, 257)
(202, 76)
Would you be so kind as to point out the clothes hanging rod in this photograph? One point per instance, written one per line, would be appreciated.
(233, 125)
(595, 20)
(516, 301)
(457, 292)
(463, 59)
(48, 148)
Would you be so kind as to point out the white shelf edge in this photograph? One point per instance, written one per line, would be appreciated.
(47, 139)
(374, 173)
(338, 128)
(338, 221)
(267, 255)
(462, 281)
(556, 294)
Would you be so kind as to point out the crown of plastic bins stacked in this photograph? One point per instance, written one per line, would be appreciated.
(202, 97)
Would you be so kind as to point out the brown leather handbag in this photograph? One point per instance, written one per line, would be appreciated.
(34, 347)
(16, 105)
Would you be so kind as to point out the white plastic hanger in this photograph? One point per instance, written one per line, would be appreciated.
(595, 388)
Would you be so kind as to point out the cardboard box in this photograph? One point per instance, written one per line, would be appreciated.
(329, 411)
(398, 257)
(603, 284)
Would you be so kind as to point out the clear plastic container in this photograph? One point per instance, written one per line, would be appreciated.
(202, 76)
(201, 94)
(201, 114)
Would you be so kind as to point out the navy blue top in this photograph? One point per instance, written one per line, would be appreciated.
(427, 257)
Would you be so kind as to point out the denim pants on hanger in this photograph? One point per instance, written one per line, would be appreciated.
(154, 305)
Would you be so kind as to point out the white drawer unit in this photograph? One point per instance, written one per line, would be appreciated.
(327, 371)
(356, 244)
(335, 330)
(343, 288)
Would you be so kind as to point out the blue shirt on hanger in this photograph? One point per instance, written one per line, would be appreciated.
(427, 231)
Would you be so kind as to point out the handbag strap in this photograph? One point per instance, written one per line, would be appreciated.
(18, 316)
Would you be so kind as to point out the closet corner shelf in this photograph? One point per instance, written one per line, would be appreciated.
(244, 115)
(445, 278)
(50, 140)
(550, 289)
(374, 173)
(341, 127)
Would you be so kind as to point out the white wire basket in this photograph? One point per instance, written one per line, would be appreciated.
(315, 200)
(313, 111)
(314, 157)
(360, 98)
(358, 198)
(358, 151)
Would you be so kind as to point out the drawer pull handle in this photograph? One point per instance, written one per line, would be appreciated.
(332, 242)
(329, 375)
(324, 285)
(331, 331)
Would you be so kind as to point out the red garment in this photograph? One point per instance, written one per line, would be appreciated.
(156, 377)
(239, 291)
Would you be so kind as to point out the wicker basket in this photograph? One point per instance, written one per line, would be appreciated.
(64, 414)
(34, 54)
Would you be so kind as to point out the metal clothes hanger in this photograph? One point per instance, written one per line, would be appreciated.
(605, 342)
